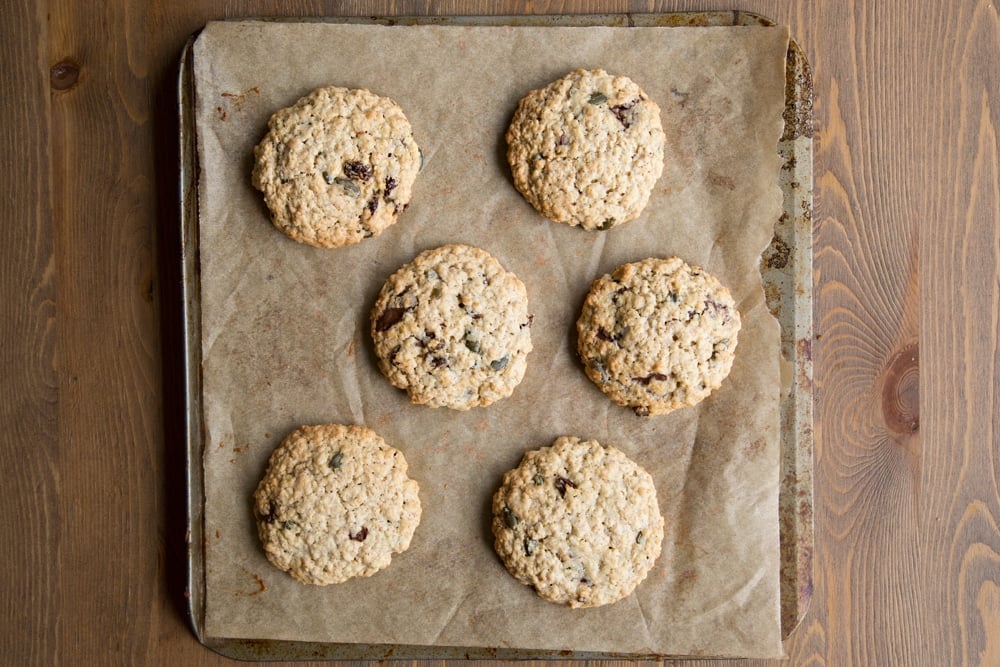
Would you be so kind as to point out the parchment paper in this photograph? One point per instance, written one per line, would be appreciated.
(285, 333)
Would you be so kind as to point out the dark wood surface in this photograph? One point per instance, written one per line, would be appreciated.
(907, 226)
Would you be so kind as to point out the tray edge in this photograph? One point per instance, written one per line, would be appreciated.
(796, 408)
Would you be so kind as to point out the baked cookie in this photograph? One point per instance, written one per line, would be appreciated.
(335, 503)
(579, 522)
(587, 149)
(657, 335)
(337, 166)
(452, 328)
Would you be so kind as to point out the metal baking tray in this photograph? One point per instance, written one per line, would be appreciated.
(786, 269)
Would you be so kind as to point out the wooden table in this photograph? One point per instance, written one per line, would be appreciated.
(907, 204)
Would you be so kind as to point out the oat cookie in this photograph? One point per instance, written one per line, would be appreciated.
(336, 167)
(335, 503)
(587, 149)
(579, 522)
(452, 328)
(658, 335)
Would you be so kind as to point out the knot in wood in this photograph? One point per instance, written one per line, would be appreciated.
(901, 392)
(64, 75)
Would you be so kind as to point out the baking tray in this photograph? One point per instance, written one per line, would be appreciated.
(786, 269)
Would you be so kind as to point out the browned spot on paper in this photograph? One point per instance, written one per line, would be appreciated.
(754, 448)
(482, 425)
(472, 451)
(687, 578)
(721, 181)
(352, 347)
(261, 586)
(218, 534)
(223, 114)
(239, 100)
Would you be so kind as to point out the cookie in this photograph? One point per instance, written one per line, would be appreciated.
(579, 522)
(452, 328)
(337, 166)
(587, 149)
(658, 335)
(335, 503)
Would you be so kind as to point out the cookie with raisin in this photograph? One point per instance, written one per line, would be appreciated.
(587, 149)
(579, 522)
(335, 503)
(336, 167)
(658, 335)
(452, 328)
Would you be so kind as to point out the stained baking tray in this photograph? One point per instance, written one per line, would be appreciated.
(786, 269)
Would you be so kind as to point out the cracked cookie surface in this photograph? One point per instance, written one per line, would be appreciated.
(587, 149)
(657, 335)
(452, 328)
(579, 522)
(335, 503)
(336, 167)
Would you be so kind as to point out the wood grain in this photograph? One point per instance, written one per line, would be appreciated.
(960, 284)
(866, 272)
(29, 443)
(109, 373)
(907, 560)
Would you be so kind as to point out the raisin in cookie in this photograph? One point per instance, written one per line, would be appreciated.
(587, 149)
(337, 166)
(335, 503)
(452, 328)
(579, 522)
(657, 335)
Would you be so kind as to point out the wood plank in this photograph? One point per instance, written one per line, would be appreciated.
(866, 275)
(959, 213)
(29, 445)
(110, 430)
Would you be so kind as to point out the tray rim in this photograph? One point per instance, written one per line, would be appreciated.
(796, 408)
